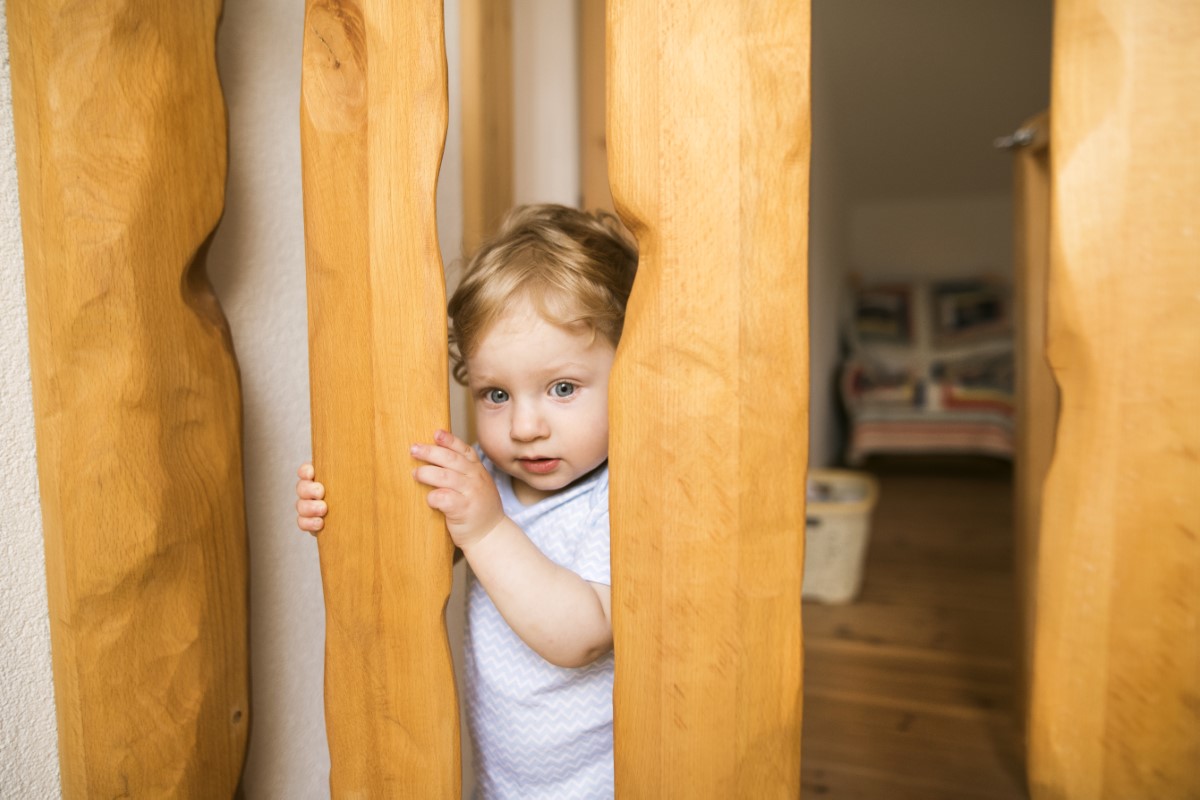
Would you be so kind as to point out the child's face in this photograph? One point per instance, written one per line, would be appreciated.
(541, 401)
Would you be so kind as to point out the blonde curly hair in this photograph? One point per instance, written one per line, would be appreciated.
(576, 267)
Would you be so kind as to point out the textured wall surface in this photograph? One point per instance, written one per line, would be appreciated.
(28, 739)
(257, 268)
(545, 103)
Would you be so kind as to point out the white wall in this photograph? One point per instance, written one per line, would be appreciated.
(28, 738)
(257, 268)
(937, 237)
(545, 103)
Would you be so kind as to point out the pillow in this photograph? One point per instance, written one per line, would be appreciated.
(884, 314)
(968, 311)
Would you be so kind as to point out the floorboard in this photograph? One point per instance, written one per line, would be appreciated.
(909, 689)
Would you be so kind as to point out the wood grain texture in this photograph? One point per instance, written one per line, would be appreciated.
(487, 116)
(1116, 695)
(120, 134)
(373, 125)
(593, 142)
(1036, 392)
(709, 141)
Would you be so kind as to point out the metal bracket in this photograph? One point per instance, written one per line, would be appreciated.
(1022, 137)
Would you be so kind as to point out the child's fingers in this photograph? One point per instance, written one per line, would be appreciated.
(311, 524)
(444, 457)
(446, 501)
(439, 477)
(311, 508)
(306, 472)
(449, 440)
(310, 490)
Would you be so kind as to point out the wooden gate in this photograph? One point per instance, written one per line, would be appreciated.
(121, 160)
(707, 597)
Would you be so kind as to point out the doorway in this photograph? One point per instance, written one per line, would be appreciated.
(911, 688)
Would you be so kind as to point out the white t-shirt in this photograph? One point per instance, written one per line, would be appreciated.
(542, 731)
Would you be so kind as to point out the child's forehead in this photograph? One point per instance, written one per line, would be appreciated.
(529, 328)
(523, 341)
(523, 312)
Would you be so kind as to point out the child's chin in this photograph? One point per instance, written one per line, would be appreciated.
(548, 483)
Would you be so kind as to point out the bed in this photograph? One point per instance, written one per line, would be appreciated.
(928, 368)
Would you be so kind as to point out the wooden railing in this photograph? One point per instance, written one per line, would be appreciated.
(708, 136)
(120, 133)
(372, 125)
(120, 140)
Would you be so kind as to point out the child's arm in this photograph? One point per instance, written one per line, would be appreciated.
(563, 618)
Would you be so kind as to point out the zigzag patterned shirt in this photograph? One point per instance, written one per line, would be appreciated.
(542, 731)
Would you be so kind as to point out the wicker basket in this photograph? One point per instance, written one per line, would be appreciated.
(839, 524)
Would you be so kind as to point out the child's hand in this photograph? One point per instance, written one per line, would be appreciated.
(462, 489)
(310, 505)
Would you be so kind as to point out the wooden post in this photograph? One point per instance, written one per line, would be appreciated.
(1037, 394)
(373, 124)
(709, 140)
(593, 142)
(120, 134)
(487, 117)
(1116, 695)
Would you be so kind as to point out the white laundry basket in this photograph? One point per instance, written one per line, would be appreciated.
(840, 503)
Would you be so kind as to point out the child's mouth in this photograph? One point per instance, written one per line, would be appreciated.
(540, 466)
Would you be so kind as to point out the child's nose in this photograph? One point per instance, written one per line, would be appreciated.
(528, 423)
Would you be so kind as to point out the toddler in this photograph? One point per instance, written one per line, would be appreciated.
(534, 328)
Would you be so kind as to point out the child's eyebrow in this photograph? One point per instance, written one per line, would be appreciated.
(566, 366)
(543, 373)
(564, 369)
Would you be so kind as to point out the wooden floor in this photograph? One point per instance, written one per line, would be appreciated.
(909, 689)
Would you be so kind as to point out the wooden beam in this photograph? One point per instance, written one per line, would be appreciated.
(1116, 694)
(487, 116)
(120, 138)
(593, 103)
(709, 141)
(1036, 392)
(373, 124)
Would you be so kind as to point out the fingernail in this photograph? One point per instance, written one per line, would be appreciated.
(414, 449)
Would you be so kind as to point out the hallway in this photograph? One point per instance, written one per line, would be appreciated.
(909, 690)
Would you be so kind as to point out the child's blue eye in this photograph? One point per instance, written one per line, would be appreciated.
(563, 389)
(496, 396)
